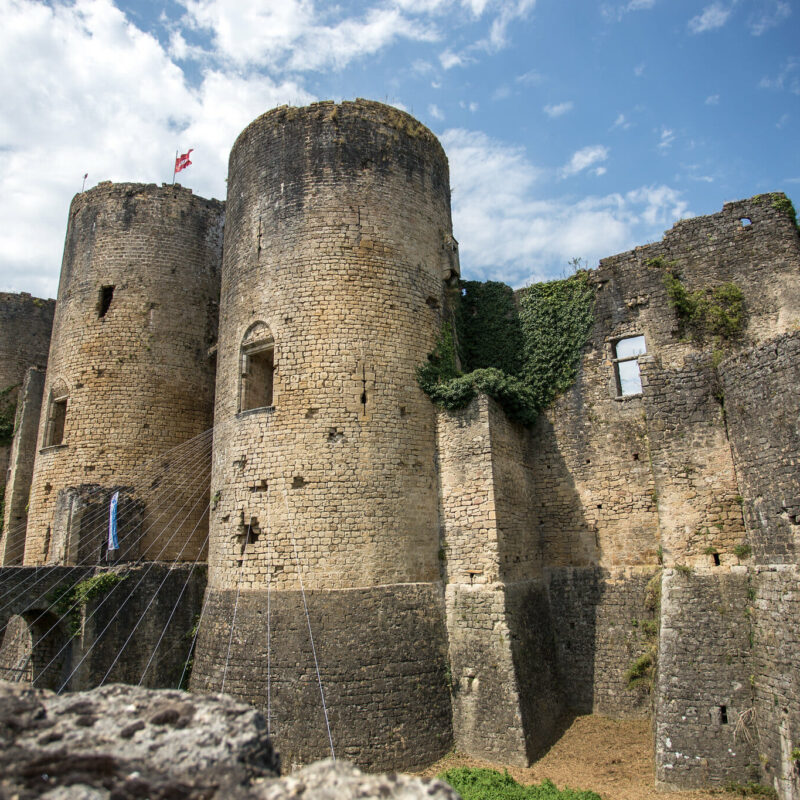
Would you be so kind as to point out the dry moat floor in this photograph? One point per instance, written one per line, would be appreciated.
(611, 757)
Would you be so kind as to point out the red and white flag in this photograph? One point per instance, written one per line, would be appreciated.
(182, 161)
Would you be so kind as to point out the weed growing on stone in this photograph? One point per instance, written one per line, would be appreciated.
(751, 789)
(706, 312)
(71, 601)
(742, 550)
(489, 784)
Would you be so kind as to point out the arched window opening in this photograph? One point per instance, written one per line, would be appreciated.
(56, 416)
(257, 364)
(626, 365)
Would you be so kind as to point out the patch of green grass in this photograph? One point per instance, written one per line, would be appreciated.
(640, 673)
(489, 784)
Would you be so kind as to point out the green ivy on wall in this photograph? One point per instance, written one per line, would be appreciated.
(489, 328)
(522, 354)
(8, 410)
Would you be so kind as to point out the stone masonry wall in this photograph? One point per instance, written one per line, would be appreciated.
(337, 234)
(761, 403)
(25, 325)
(704, 693)
(137, 375)
(775, 609)
(138, 629)
(20, 471)
(759, 388)
(506, 698)
(382, 657)
(603, 621)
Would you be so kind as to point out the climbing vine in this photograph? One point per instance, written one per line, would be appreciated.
(521, 355)
(489, 329)
(8, 410)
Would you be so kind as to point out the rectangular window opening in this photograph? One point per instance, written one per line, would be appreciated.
(104, 303)
(626, 365)
(723, 715)
(257, 378)
(56, 422)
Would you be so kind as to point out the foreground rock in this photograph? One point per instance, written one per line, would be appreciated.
(119, 742)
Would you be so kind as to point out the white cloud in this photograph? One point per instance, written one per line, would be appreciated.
(98, 95)
(712, 100)
(448, 59)
(639, 69)
(619, 11)
(530, 78)
(558, 110)
(501, 93)
(621, 122)
(583, 159)
(787, 78)
(666, 139)
(471, 106)
(772, 16)
(435, 111)
(508, 229)
(713, 17)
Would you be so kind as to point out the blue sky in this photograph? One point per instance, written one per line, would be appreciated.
(574, 128)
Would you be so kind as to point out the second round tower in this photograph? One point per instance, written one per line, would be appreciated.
(338, 238)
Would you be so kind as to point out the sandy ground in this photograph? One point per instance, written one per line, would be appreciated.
(612, 757)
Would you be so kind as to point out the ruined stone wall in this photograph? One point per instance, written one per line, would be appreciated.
(775, 614)
(759, 388)
(506, 693)
(336, 244)
(20, 470)
(704, 688)
(25, 325)
(139, 629)
(604, 620)
(137, 373)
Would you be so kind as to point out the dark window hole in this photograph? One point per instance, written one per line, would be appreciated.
(715, 556)
(104, 303)
(298, 482)
(599, 505)
(635, 456)
(432, 302)
(723, 715)
(311, 412)
(335, 435)
(746, 222)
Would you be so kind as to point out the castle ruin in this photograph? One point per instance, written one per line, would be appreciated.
(448, 578)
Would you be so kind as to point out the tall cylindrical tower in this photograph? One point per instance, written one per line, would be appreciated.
(338, 236)
(129, 375)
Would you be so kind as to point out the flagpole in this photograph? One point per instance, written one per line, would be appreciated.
(174, 167)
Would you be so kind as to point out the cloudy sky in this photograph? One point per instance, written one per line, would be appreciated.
(574, 128)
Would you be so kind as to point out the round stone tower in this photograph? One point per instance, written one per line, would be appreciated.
(129, 377)
(338, 238)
